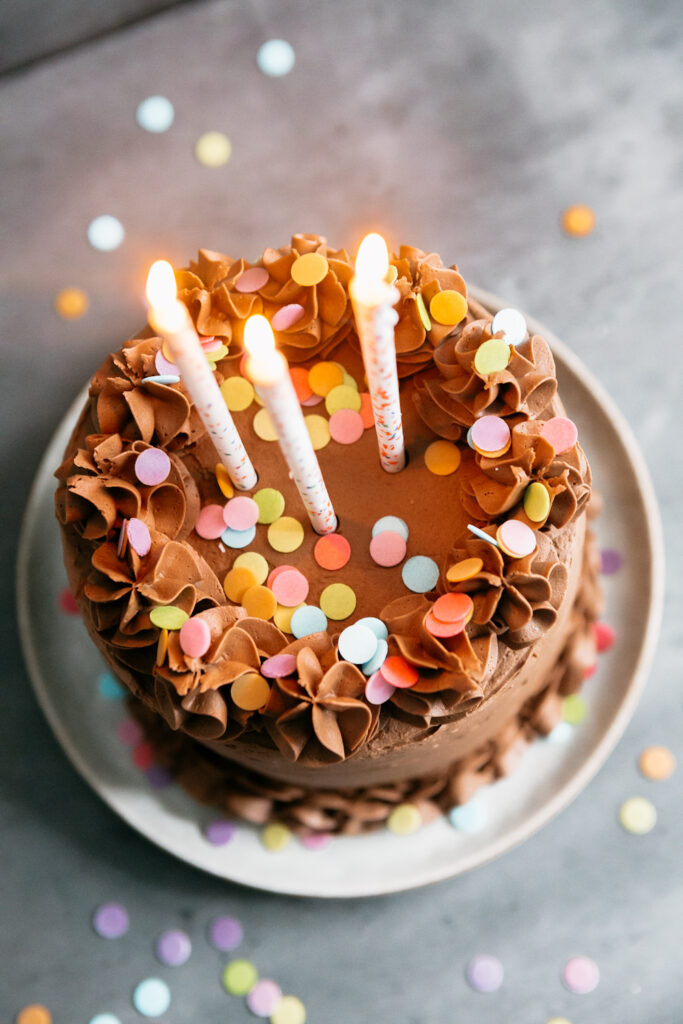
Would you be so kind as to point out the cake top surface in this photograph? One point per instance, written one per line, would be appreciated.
(227, 612)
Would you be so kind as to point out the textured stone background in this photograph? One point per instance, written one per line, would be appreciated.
(462, 127)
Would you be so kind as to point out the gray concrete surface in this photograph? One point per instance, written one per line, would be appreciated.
(462, 127)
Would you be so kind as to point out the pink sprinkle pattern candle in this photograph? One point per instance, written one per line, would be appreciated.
(268, 371)
(373, 301)
(171, 320)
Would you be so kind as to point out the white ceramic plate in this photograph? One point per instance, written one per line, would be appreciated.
(64, 666)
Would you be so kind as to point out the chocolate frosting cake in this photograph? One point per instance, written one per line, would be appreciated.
(317, 751)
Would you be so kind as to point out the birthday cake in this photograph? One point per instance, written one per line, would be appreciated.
(327, 680)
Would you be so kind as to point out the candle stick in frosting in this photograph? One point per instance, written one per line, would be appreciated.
(171, 320)
(268, 371)
(373, 300)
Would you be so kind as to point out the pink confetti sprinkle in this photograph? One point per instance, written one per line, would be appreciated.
(287, 316)
(278, 666)
(604, 637)
(377, 689)
(152, 466)
(290, 588)
(517, 537)
(68, 603)
(194, 637)
(274, 573)
(313, 400)
(264, 998)
(316, 840)
(581, 975)
(210, 522)
(443, 629)
(346, 426)
(164, 366)
(490, 433)
(139, 537)
(251, 280)
(241, 513)
(387, 548)
(129, 732)
(211, 344)
(561, 433)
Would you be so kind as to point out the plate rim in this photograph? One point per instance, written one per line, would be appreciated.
(550, 808)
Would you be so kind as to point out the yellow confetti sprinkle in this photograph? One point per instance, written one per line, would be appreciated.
(657, 763)
(239, 977)
(536, 502)
(290, 1010)
(448, 307)
(264, 427)
(275, 836)
(168, 617)
(578, 220)
(250, 691)
(442, 458)
(342, 397)
(422, 312)
(238, 393)
(283, 617)
(464, 570)
(162, 646)
(404, 820)
(271, 504)
(285, 534)
(391, 274)
(259, 602)
(71, 303)
(638, 815)
(255, 562)
(318, 431)
(338, 601)
(558, 1020)
(324, 376)
(309, 269)
(224, 481)
(216, 354)
(491, 357)
(574, 709)
(213, 149)
(237, 582)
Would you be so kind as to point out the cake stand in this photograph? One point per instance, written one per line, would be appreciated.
(65, 666)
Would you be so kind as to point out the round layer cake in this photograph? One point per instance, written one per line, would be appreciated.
(468, 578)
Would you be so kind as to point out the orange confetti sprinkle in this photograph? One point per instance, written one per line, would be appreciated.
(578, 220)
(71, 303)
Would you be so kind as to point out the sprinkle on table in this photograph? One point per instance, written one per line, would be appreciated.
(105, 233)
(581, 975)
(657, 763)
(290, 1011)
(110, 921)
(34, 1013)
(225, 933)
(442, 458)
(71, 303)
(578, 220)
(239, 977)
(513, 325)
(155, 114)
(338, 601)
(285, 534)
(152, 997)
(67, 602)
(173, 948)
(264, 998)
(484, 973)
(213, 149)
(638, 815)
(491, 357)
(275, 57)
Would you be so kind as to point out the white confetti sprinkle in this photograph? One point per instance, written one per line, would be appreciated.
(275, 58)
(105, 233)
(155, 114)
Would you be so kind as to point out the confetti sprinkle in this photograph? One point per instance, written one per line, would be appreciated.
(238, 393)
(387, 548)
(279, 665)
(558, 1020)
(470, 818)
(442, 457)
(536, 502)
(143, 756)
(275, 836)
(220, 832)
(35, 1013)
(283, 618)
(512, 324)
(250, 691)
(515, 538)
(307, 270)
(357, 644)
(290, 588)
(109, 687)
(238, 538)
(399, 672)
(375, 663)
(562, 732)
(71, 303)
(255, 563)
(324, 377)
(285, 534)
(448, 307)
(482, 535)
(67, 602)
(491, 357)
(580, 975)
(604, 637)
(420, 574)
(638, 815)
(174, 948)
(318, 431)
(404, 820)
(578, 221)
(263, 426)
(377, 689)
(264, 998)
(391, 523)
(290, 1011)
(194, 637)
(105, 233)
(275, 58)
(168, 617)
(286, 317)
(110, 921)
(104, 1018)
(610, 561)
(657, 763)
(490, 436)
(307, 619)
(139, 537)
(338, 601)
(561, 433)
(155, 114)
(239, 977)
(241, 513)
(346, 426)
(225, 933)
(259, 603)
(574, 709)
(238, 581)
(213, 149)
(152, 997)
(332, 551)
(343, 396)
(376, 625)
(152, 467)
(464, 570)
(484, 973)
(251, 280)
(453, 607)
(422, 312)
(271, 504)
(129, 732)
(158, 777)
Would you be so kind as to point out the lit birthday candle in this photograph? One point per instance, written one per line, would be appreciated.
(268, 371)
(373, 300)
(171, 321)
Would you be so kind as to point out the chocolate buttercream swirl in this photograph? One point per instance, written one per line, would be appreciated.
(492, 487)
(100, 489)
(459, 394)
(517, 598)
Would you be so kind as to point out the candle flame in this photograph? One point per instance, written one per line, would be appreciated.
(372, 261)
(161, 287)
(258, 339)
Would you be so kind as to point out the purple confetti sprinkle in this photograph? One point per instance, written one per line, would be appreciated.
(174, 948)
(158, 776)
(220, 832)
(110, 921)
(225, 933)
(484, 973)
(610, 561)
(264, 998)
